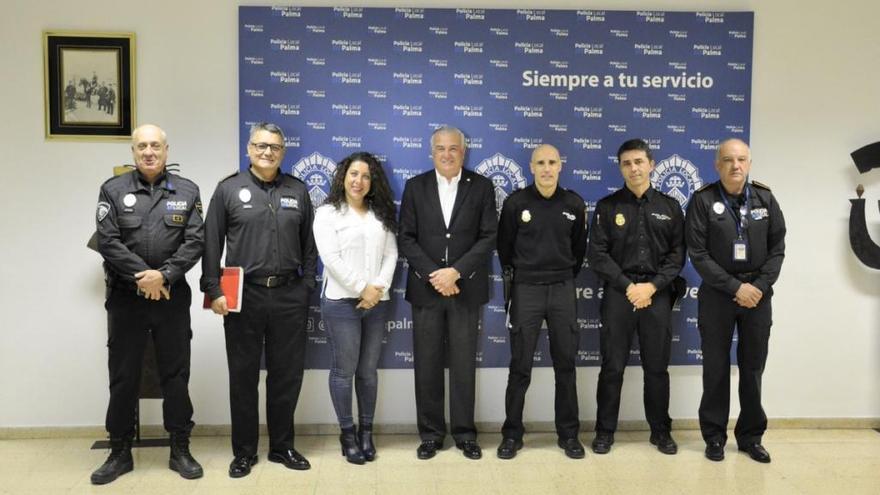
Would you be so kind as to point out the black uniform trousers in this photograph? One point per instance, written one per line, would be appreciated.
(130, 319)
(277, 317)
(445, 330)
(531, 304)
(718, 315)
(619, 323)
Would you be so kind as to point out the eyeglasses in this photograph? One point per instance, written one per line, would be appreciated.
(262, 147)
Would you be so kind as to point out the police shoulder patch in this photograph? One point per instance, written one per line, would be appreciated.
(760, 185)
(103, 210)
(705, 186)
(233, 174)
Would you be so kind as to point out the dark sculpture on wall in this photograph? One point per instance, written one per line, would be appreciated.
(868, 252)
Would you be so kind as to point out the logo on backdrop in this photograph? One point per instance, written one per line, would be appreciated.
(505, 174)
(316, 170)
(677, 177)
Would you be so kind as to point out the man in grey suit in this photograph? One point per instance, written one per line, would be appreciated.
(447, 232)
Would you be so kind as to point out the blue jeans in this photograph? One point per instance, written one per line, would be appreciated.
(355, 337)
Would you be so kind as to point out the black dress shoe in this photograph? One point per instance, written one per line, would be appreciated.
(508, 448)
(291, 459)
(572, 447)
(470, 448)
(664, 442)
(756, 451)
(428, 449)
(602, 443)
(241, 466)
(715, 451)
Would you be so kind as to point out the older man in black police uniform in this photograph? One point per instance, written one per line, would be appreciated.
(637, 249)
(150, 234)
(736, 240)
(447, 231)
(542, 238)
(264, 217)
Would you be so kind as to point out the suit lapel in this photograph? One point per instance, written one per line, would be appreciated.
(464, 186)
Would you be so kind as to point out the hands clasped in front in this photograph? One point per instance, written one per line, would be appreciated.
(640, 294)
(370, 296)
(443, 280)
(152, 284)
(748, 296)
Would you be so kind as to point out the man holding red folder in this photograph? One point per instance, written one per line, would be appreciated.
(264, 218)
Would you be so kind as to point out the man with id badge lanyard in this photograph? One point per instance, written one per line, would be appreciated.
(735, 235)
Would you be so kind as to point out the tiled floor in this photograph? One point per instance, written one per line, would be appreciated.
(826, 462)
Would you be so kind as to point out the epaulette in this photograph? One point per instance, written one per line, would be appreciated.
(760, 185)
(705, 186)
(233, 174)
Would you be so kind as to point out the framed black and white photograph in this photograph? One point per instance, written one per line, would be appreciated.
(89, 85)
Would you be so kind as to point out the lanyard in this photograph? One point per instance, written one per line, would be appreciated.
(744, 210)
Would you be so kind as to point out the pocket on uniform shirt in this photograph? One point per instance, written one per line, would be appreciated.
(175, 220)
(129, 222)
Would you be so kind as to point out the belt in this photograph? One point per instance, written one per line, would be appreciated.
(270, 281)
(639, 278)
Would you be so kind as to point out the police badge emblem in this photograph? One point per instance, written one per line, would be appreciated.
(677, 177)
(505, 174)
(526, 216)
(103, 210)
(619, 219)
(317, 171)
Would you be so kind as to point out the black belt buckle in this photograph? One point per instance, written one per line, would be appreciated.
(270, 281)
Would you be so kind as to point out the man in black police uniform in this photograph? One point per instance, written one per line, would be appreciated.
(150, 234)
(447, 230)
(637, 248)
(736, 240)
(265, 219)
(542, 237)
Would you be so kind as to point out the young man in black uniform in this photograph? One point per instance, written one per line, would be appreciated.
(150, 234)
(637, 248)
(542, 237)
(264, 218)
(736, 240)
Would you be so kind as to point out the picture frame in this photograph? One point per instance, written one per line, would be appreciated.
(89, 85)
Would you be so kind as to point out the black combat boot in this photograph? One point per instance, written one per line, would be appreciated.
(118, 463)
(365, 441)
(181, 460)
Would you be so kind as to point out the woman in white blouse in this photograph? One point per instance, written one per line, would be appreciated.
(354, 231)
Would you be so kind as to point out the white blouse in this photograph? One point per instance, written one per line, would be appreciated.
(356, 250)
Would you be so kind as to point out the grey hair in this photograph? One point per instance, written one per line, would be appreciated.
(142, 126)
(730, 140)
(268, 127)
(450, 129)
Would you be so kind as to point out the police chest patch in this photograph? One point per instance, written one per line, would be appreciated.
(289, 202)
(103, 210)
(175, 205)
(568, 215)
(661, 216)
(759, 213)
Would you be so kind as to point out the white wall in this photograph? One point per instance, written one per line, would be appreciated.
(815, 99)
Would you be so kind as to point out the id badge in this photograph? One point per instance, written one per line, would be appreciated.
(740, 250)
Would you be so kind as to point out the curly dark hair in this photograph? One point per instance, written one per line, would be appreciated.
(379, 200)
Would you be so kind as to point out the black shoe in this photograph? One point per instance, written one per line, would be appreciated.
(664, 442)
(291, 459)
(181, 460)
(508, 448)
(470, 448)
(602, 442)
(715, 451)
(118, 463)
(756, 451)
(572, 447)
(350, 448)
(241, 466)
(365, 440)
(428, 449)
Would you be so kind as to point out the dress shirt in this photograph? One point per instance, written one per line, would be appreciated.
(447, 190)
(356, 250)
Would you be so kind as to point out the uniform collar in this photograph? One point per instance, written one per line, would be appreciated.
(537, 193)
(649, 195)
(263, 184)
(138, 183)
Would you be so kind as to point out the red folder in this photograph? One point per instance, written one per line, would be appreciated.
(231, 283)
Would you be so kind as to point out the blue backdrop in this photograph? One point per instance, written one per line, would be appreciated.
(339, 80)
